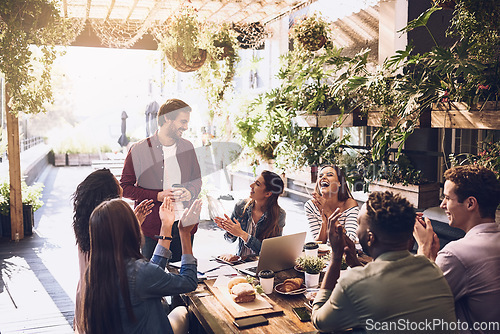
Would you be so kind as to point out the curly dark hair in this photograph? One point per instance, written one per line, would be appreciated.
(390, 215)
(99, 186)
(478, 182)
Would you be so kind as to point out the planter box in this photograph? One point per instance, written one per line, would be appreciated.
(375, 119)
(60, 160)
(354, 118)
(459, 115)
(421, 196)
(85, 159)
(28, 220)
(73, 159)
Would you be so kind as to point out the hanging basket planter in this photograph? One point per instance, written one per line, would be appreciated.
(313, 44)
(250, 36)
(177, 60)
(311, 33)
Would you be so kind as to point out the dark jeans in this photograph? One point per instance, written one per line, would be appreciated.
(175, 245)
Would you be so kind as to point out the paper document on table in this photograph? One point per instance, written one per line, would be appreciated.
(215, 207)
(258, 303)
(204, 265)
(224, 270)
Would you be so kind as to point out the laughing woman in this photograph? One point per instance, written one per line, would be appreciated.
(331, 193)
(256, 218)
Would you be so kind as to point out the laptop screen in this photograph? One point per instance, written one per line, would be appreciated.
(276, 254)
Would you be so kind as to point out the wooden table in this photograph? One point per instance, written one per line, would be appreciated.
(214, 318)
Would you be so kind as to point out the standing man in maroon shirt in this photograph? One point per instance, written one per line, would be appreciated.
(163, 165)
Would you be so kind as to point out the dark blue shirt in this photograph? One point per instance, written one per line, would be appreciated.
(148, 282)
(244, 217)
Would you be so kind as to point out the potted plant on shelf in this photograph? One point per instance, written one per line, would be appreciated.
(31, 199)
(179, 38)
(398, 176)
(311, 33)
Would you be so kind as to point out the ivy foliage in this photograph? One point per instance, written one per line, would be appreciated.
(27, 71)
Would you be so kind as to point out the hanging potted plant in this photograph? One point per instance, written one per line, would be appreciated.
(311, 33)
(250, 35)
(216, 77)
(179, 38)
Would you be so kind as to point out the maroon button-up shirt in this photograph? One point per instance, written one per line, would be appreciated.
(143, 174)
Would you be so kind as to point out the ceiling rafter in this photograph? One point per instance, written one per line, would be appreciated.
(87, 9)
(110, 9)
(132, 10)
(241, 11)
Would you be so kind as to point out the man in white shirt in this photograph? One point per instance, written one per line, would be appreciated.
(163, 165)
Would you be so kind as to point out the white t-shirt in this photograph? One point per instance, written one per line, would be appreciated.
(172, 174)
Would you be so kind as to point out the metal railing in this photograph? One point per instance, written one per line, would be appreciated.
(30, 142)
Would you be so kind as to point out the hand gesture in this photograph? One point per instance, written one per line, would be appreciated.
(336, 234)
(143, 209)
(427, 240)
(167, 215)
(191, 216)
(181, 194)
(231, 226)
(351, 258)
(164, 194)
(320, 203)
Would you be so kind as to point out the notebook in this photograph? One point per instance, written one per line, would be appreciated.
(276, 254)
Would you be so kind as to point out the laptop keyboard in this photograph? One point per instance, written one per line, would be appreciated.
(252, 269)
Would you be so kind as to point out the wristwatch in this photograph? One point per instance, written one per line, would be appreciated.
(163, 237)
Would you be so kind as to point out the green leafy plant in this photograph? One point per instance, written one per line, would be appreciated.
(395, 171)
(310, 33)
(311, 264)
(408, 84)
(216, 76)
(182, 33)
(257, 287)
(488, 156)
(27, 72)
(31, 195)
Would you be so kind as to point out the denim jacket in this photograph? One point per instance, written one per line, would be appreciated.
(244, 219)
(148, 282)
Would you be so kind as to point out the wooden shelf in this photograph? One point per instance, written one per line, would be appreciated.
(351, 119)
(458, 115)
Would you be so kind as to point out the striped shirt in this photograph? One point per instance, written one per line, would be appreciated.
(348, 219)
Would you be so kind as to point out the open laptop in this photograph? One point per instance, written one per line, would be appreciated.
(276, 254)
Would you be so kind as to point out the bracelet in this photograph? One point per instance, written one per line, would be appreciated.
(163, 237)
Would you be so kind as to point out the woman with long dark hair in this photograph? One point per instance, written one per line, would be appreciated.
(122, 289)
(331, 194)
(97, 187)
(257, 218)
